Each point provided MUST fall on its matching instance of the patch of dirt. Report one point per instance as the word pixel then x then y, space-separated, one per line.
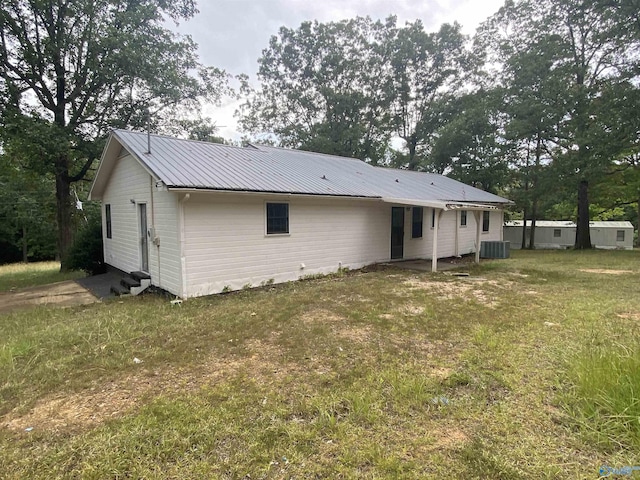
pixel 441 373
pixel 64 412
pixel 413 309
pixel 448 438
pixel 263 362
pixel 322 316
pixel 629 316
pixel 62 294
pixel 462 288
pixel 605 271
pixel 340 326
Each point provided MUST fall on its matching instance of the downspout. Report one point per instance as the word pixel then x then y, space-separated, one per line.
pixel 153 224
pixel 434 255
pixel 457 232
pixel 183 262
pixel 478 216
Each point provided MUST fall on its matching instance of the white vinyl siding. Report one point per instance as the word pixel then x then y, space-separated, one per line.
pixel 452 239
pixel 226 245
pixel 130 181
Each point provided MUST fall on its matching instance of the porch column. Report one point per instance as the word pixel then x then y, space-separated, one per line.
pixel 478 216
pixel 434 255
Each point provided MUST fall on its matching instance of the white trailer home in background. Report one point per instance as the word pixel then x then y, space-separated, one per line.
pixel 200 218
pixel 562 234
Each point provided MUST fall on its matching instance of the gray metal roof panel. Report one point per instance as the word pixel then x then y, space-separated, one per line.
pixel 191 164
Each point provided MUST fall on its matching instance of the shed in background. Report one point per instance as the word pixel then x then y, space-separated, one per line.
pixel 552 234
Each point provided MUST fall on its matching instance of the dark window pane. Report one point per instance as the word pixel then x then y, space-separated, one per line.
pixel 277 218
pixel 463 218
pixel 107 215
pixel 485 221
pixel 557 233
pixel 416 229
pixel 620 236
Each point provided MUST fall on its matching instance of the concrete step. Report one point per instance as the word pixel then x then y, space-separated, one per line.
pixel 120 290
pixel 129 282
pixel 140 276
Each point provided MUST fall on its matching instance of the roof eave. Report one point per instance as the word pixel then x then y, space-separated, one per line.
pixel 97 186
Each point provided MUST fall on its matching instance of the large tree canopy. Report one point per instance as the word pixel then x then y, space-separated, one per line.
pixel 348 87
pixel 324 88
pixel 587 46
pixel 72 69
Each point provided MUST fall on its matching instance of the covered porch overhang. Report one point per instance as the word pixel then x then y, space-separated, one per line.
pixel 441 206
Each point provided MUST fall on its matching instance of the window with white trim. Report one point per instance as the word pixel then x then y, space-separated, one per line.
pixel 620 236
pixel 485 220
pixel 277 218
pixel 463 218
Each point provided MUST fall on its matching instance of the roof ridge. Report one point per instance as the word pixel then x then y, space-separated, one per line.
pixel 384 167
pixel 169 137
pixel 308 152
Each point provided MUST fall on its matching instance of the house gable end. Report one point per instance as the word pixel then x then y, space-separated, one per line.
pixel 113 151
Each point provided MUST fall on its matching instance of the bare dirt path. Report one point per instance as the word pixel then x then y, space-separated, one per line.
pixel 63 294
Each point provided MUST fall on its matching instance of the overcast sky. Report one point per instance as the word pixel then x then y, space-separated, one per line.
pixel 231 34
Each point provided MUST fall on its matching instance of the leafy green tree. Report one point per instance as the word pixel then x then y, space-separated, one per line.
pixel 616 125
pixel 427 71
pixel 469 148
pixel 72 69
pixel 27 213
pixel 324 88
pixel 595 46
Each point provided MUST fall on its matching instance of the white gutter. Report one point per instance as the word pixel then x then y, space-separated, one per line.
pixel 441 204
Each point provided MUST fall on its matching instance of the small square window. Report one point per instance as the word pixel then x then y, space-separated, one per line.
pixel 557 233
pixel 485 221
pixel 277 218
pixel 416 223
pixel 107 216
pixel 620 236
pixel 463 218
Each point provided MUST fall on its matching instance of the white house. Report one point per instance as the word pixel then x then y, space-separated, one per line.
pixel 562 234
pixel 201 218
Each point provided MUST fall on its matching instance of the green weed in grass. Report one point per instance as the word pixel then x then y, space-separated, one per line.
pixel 605 398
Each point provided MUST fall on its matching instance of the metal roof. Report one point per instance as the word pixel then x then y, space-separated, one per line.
pixel 569 224
pixel 189 164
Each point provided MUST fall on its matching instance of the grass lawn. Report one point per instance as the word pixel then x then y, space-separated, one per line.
pixel 528 368
pixel 21 275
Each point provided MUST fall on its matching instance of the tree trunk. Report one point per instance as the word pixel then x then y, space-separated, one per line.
pixel 583 236
pixel 638 239
pixel 25 249
pixel 63 216
pixel 532 237
pixel 524 229
pixel 534 200
pixel 413 164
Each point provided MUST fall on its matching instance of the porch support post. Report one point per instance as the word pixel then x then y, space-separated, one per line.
pixel 478 216
pixel 434 254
